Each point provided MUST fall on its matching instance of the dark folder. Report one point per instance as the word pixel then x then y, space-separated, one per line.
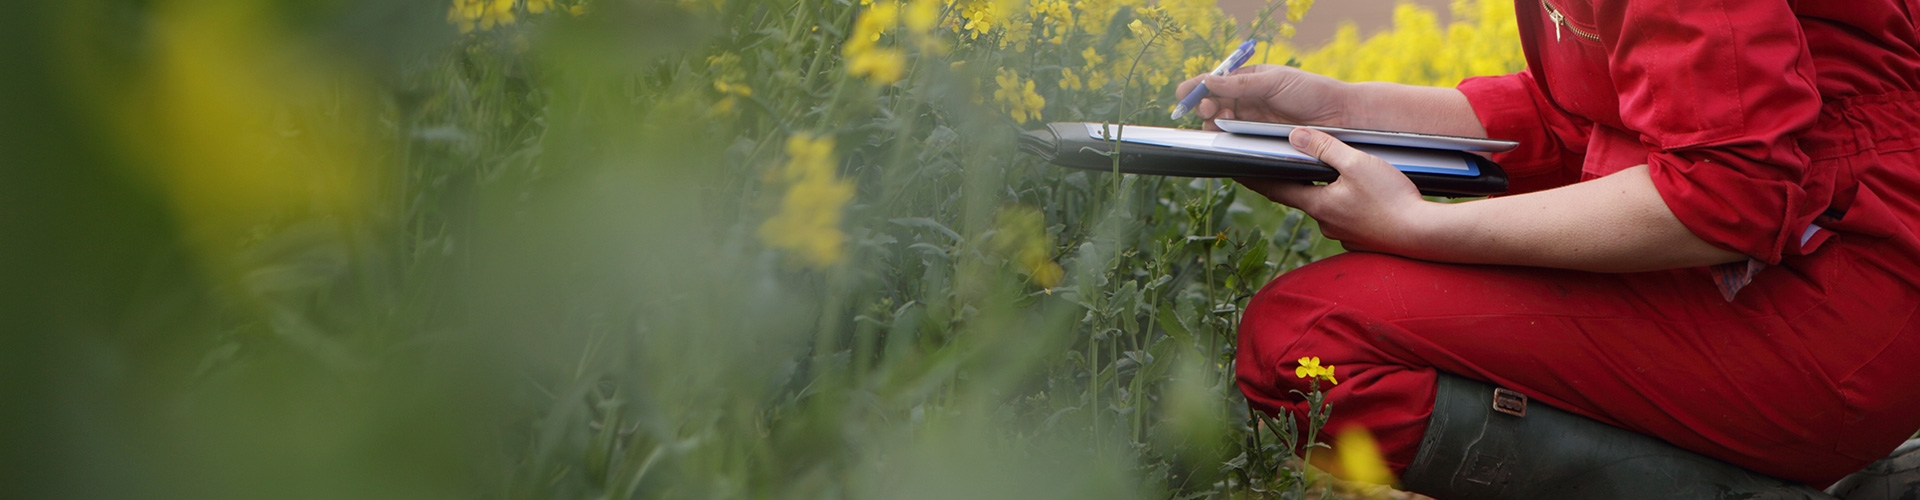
pixel 1069 144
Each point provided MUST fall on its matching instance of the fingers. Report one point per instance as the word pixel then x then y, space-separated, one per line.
pixel 1289 193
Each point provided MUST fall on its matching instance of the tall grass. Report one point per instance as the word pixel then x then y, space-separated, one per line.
pixel 619 249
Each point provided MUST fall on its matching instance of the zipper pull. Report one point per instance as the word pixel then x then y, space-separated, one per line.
pixel 1558 20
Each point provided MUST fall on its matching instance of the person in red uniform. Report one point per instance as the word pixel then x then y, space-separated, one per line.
pixel 1711 237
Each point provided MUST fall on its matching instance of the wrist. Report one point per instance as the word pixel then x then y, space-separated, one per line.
pixel 1425 228
pixel 1351 105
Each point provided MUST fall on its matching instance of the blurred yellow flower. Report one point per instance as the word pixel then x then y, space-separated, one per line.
pixel 466 14
pixel 1196 65
pixel 1018 96
pixel 1310 369
pixel 1360 457
pixel 807 223
pixel 865 58
pixel 980 16
pixel 1055 18
pixel 538 6
pixel 1297 9
pixel 1020 234
pixel 923 15
pixel 497 13
pixel 1096 80
pixel 1093 58
pixel 879 66
pixel 1068 80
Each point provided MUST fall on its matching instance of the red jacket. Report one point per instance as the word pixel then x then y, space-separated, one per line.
pixel 1730 104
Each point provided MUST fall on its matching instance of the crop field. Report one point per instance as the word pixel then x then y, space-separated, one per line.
pixel 610 249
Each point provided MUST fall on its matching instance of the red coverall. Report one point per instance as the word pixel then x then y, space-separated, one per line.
pixel 1757 119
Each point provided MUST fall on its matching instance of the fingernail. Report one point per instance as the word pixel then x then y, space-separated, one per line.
pixel 1299 138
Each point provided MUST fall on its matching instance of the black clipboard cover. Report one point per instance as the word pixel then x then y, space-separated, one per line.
pixel 1067 144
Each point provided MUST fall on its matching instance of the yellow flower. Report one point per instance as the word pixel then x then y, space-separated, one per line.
pixel 577 10
pixel 1096 80
pixel 1197 64
pixel 1068 80
pixel 538 6
pixel 1297 9
pixel 1093 57
pixel 922 15
pixel 1055 18
pixel 1360 457
pixel 807 225
pixel 466 14
pixel 1310 368
pixel 880 66
pixel 498 13
pixel 1140 29
pixel 865 58
pixel 980 18
pixel 1018 96
pixel 1020 234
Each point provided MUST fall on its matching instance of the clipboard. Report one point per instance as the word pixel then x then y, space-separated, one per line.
pixel 1193 153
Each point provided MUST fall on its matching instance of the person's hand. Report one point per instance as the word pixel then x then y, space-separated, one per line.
pixel 1268 93
pixel 1371 207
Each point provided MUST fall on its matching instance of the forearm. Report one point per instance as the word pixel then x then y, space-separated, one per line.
pixel 1613 224
pixel 1411 108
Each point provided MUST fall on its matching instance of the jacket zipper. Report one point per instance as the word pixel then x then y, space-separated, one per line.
pixel 1560 20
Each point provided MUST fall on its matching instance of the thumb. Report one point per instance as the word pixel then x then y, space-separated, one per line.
pixel 1232 85
pixel 1339 155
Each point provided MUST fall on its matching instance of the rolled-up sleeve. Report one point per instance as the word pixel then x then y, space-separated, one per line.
pixel 1718 90
pixel 1512 107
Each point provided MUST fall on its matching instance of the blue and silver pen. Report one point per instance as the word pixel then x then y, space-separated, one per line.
pixel 1233 62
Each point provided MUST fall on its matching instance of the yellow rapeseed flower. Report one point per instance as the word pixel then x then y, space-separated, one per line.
pixel 980 16
pixel 538 6
pixel 879 65
pixel 1055 18
pixel 1020 234
pixel 1068 80
pixel 922 15
pixel 807 224
pixel 1018 96
pixel 1310 368
pixel 865 57
pixel 1096 80
pixel 1360 457
pixel 466 14
pixel 498 13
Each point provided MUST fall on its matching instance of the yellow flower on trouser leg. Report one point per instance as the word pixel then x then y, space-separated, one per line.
pixel 807 225
pixel 1310 368
pixel 1360 457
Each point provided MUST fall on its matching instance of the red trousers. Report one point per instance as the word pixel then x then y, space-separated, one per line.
pixel 1809 374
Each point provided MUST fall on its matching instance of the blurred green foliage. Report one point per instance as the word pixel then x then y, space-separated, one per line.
pixel 341 249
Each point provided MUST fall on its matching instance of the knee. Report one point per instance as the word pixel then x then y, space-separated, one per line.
pixel 1308 310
